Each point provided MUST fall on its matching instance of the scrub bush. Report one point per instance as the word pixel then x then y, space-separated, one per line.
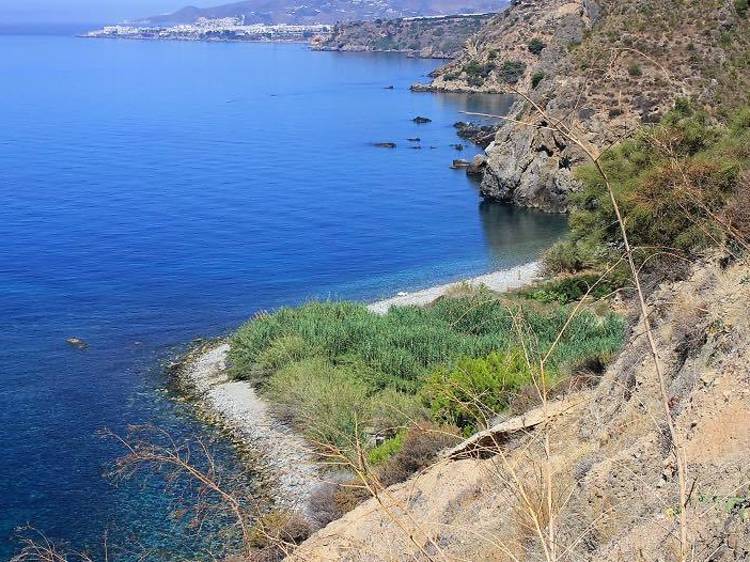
pixel 671 181
pixel 475 390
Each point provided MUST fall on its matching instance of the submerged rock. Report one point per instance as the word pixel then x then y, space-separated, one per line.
pixel 414 139
pixel 78 343
pixel 384 144
pixel 419 120
pixel 460 164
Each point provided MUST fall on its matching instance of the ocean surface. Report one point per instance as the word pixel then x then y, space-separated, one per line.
pixel 152 193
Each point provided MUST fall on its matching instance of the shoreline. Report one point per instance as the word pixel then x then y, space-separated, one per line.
pixel 499 281
pixel 284 453
pixel 235 406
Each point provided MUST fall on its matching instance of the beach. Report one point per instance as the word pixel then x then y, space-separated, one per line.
pixel 498 281
pixel 285 454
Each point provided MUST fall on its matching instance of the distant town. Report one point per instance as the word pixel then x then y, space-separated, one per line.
pixel 214 29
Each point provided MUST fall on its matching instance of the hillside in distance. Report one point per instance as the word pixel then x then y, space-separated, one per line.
pixel 433 37
pixel 325 11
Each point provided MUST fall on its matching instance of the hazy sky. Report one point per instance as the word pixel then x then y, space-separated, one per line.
pixel 89 11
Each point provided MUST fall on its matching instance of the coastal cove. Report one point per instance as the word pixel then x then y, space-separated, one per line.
pixel 158 192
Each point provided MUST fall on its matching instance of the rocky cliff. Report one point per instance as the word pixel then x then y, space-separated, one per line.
pixel 602 67
pixel 439 37
pixel 593 478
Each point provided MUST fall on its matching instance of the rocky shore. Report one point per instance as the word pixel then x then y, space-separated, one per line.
pixel 440 37
pixel 235 406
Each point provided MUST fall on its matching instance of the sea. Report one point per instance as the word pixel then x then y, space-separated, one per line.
pixel 152 193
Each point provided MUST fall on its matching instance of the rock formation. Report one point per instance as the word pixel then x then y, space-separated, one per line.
pixel 602 68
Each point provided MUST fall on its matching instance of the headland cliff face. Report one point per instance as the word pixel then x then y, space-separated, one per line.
pixel 600 67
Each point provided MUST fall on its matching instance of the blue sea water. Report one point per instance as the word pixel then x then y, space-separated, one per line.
pixel 153 192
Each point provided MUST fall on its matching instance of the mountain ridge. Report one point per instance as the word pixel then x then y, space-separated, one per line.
pixel 324 11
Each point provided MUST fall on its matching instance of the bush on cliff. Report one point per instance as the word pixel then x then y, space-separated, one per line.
pixel 676 184
pixel 471 393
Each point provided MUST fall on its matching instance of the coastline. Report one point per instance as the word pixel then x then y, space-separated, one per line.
pixel 284 453
pixel 499 281
pixel 237 408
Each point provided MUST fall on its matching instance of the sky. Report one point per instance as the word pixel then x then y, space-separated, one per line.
pixel 89 11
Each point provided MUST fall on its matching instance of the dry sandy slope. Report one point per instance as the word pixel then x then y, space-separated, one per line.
pixel 615 485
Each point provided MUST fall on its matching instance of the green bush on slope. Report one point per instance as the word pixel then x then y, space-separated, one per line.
pixel 472 392
pixel 674 184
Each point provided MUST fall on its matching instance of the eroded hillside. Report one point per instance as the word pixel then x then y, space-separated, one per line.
pixel 597 480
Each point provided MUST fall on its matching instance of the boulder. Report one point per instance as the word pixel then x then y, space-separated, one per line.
pixel 477 166
pixel 419 120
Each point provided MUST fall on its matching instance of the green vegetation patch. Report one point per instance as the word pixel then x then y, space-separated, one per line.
pixel 743 7
pixel 536 46
pixel 537 78
pixel 343 373
pixel 512 71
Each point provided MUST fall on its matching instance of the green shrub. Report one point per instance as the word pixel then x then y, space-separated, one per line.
pixel 283 350
pixel 536 46
pixel 512 71
pixel 391 411
pixel 537 78
pixel 742 7
pixel 477 69
pixel 670 181
pixel 388 448
pixel 327 402
pixel 569 289
pixel 475 390
pixel 635 70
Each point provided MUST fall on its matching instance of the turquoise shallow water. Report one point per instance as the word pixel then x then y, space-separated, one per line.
pixel 152 193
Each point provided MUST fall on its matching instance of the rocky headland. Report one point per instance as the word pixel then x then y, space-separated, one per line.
pixel 602 68
pixel 441 37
